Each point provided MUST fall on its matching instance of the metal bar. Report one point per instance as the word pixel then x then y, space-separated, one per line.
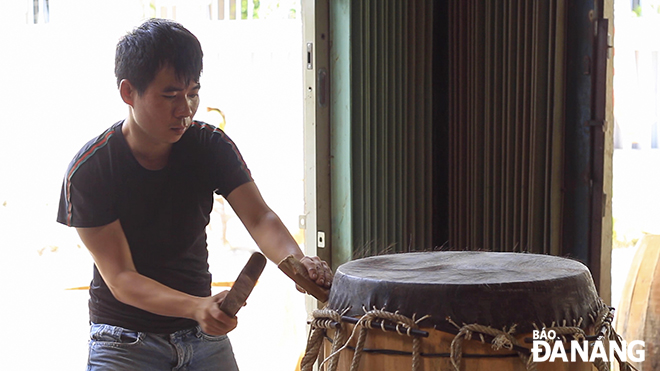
pixel 576 224
pixel 359 132
pixel 462 110
pixel 380 325
pixel 534 112
pixel 342 120
pixel 387 229
pixel 364 100
pixel 418 93
pixel 406 107
pixel 398 117
pixel 526 211
pixel 506 141
pixel 372 107
pixel 428 127
pixel 469 124
pixel 513 125
pixel 496 161
pixel 451 156
pixel 380 123
pixel 412 127
pixel 598 150
pixel 550 121
pixel 488 123
pixel 557 135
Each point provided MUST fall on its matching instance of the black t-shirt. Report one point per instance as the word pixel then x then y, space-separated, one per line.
pixel 163 213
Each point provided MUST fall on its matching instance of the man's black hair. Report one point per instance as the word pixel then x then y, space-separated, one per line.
pixel 155 44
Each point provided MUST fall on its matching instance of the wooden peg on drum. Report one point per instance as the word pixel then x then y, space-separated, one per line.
pixel 293 268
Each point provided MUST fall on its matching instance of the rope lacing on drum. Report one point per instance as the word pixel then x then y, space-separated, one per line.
pixel 501 339
pixel 603 326
pixel 402 323
pixel 326 318
pixel 602 321
pixel 323 319
pixel 563 331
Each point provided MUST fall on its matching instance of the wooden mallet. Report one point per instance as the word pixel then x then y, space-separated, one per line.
pixel 293 268
pixel 243 285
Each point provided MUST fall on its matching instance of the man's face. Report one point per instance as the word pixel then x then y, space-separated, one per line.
pixel 166 108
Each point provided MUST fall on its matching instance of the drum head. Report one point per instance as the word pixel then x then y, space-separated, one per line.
pixel 495 289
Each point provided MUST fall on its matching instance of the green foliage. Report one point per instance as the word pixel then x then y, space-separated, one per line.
pixel 279 9
pixel 623 235
pixel 244 9
pixel 255 12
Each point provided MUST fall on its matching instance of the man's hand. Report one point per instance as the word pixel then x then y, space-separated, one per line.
pixel 318 271
pixel 211 319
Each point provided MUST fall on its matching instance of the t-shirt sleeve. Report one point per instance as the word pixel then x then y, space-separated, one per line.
pixel 86 199
pixel 228 169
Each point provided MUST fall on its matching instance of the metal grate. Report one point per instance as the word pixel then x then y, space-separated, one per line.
pixel 505 125
pixel 391 126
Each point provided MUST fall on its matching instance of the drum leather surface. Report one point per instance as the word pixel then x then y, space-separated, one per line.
pixel 496 289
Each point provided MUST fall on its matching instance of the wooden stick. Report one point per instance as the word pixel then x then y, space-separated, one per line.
pixel 293 268
pixel 243 285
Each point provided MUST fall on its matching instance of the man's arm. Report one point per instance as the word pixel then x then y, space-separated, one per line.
pixel 270 234
pixel 112 255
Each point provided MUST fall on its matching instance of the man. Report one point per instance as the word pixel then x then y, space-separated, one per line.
pixel 140 196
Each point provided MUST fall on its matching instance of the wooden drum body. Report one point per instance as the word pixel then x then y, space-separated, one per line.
pixel 477 308
pixel 638 315
pixel 476 355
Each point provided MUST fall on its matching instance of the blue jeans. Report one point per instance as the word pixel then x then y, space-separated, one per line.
pixel 113 348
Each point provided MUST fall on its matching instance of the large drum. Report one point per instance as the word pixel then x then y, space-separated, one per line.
pixel 638 315
pixel 454 311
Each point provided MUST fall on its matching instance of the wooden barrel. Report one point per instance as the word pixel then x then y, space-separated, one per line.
pixel 493 290
pixel 638 314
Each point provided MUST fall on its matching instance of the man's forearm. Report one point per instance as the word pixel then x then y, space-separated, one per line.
pixel 274 239
pixel 134 289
